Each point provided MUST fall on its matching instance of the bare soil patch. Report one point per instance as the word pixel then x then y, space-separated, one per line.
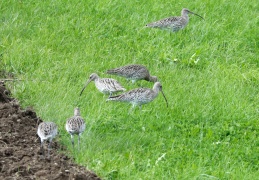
pixel 20 156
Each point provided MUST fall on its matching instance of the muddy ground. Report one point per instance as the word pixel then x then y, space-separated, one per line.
pixel 20 156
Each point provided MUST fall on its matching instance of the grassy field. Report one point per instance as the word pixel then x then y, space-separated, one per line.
pixel 209 72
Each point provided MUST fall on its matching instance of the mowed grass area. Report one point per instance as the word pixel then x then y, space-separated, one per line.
pixel 209 72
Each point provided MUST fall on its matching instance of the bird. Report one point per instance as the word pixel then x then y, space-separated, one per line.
pixel 47 131
pixel 139 96
pixel 174 23
pixel 133 72
pixel 104 85
pixel 75 125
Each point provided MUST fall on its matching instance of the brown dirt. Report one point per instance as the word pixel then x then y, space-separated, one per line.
pixel 20 156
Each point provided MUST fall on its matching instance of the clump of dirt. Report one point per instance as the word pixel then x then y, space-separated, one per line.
pixel 20 155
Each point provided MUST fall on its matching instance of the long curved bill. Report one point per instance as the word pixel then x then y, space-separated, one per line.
pixel 196 14
pixel 165 98
pixel 85 86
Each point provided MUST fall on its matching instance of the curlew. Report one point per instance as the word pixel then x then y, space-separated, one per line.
pixel 139 96
pixel 133 72
pixel 75 125
pixel 175 23
pixel 104 85
pixel 47 131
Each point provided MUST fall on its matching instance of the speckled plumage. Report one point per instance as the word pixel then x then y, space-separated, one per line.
pixel 175 23
pixel 133 72
pixel 47 131
pixel 104 85
pixel 75 125
pixel 139 96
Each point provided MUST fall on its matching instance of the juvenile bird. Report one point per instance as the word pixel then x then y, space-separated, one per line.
pixel 175 23
pixel 104 85
pixel 75 125
pixel 133 72
pixel 47 131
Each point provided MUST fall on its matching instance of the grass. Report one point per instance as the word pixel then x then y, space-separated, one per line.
pixel 209 72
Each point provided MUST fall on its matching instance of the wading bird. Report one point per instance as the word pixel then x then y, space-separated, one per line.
pixel 175 23
pixel 75 126
pixel 139 96
pixel 47 131
pixel 133 72
pixel 104 85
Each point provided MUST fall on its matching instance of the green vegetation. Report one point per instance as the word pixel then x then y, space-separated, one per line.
pixel 209 72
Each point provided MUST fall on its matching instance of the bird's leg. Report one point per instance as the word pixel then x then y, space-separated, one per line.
pixel 133 106
pixel 72 140
pixel 49 147
pixel 130 110
pixel 79 142
pixel 42 149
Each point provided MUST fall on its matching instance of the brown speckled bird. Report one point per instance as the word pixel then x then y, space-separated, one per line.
pixel 47 131
pixel 75 125
pixel 139 96
pixel 104 85
pixel 133 72
pixel 175 23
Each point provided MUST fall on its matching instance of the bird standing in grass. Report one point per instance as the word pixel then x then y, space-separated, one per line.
pixel 104 85
pixel 175 23
pixel 133 72
pixel 75 125
pixel 47 131
pixel 139 96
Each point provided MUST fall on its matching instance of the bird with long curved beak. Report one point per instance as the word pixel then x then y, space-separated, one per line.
pixel 104 85
pixel 174 23
pixel 139 96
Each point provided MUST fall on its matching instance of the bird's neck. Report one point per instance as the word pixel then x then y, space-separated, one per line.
pixel 96 80
pixel 77 113
pixel 150 78
pixel 156 90
pixel 185 16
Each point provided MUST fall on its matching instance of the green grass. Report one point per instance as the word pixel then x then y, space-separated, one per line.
pixel 209 72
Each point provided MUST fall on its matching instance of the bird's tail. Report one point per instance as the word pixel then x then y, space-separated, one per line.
pixel 112 71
